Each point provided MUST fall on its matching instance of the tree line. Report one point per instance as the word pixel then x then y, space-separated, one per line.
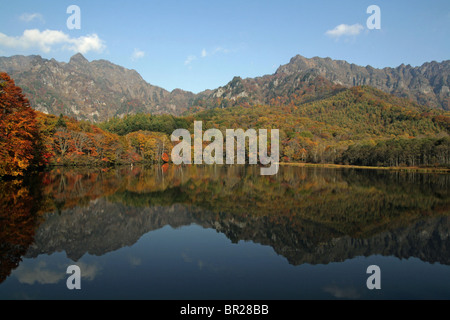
pixel 400 152
pixel 358 126
pixel 30 139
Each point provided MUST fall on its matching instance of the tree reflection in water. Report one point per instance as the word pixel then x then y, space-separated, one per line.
pixel 308 215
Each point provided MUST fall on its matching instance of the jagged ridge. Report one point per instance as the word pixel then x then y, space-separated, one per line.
pixel 99 90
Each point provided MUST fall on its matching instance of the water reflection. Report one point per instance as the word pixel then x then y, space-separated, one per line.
pixel 19 204
pixel 307 215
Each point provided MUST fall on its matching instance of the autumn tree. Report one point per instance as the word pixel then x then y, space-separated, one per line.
pixel 18 129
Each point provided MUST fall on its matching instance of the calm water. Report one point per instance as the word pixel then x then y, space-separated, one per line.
pixel 219 232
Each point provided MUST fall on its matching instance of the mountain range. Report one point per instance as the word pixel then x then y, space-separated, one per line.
pixel 99 90
pixel 103 227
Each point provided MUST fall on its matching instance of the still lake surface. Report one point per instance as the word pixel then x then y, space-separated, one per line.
pixel 225 232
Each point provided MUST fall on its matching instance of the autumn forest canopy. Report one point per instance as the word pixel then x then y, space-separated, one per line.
pixel 359 126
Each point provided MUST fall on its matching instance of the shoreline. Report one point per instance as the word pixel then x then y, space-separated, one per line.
pixel 293 164
pixel 344 166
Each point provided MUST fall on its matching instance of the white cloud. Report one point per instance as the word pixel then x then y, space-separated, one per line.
pixel 88 271
pixel 38 273
pixel 220 50
pixel 46 41
pixel 213 52
pixel 28 17
pixel 345 30
pixel 189 59
pixel 204 54
pixel 43 273
pixel 137 54
pixel 348 293
pixel 87 43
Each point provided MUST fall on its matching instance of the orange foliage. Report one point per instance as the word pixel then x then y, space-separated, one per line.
pixel 18 129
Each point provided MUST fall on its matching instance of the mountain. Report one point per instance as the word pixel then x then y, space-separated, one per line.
pixel 102 227
pixel 427 85
pixel 99 90
pixel 95 90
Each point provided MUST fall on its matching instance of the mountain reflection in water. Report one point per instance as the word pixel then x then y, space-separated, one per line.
pixel 307 215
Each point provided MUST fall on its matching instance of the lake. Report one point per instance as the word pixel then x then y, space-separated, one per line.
pixel 225 232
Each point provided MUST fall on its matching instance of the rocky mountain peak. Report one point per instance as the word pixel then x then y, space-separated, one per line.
pixel 78 59
pixel 99 90
pixel 95 91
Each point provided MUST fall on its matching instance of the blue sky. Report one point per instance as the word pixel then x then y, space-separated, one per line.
pixel 197 45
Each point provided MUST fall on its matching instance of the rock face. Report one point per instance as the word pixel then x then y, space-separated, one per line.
pixel 94 90
pixel 99 90
pixel 427 85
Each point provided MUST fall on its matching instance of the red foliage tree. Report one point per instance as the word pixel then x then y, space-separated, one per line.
pixel 18 129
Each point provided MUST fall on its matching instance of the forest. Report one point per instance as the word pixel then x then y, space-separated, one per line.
pixel 357 126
